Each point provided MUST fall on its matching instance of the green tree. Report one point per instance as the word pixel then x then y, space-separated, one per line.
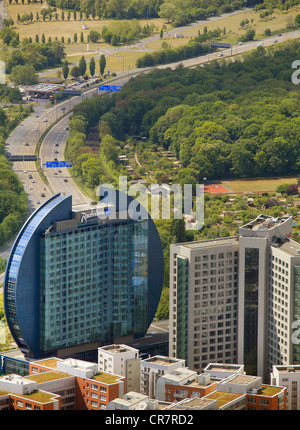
pixel 102 64
pixel 65 69
pixel 7 34
pixel 168 11
pixel 92 66
pixel 82 66
pixel 75 72
pixel 109 148
pixel 25 75
pixel 94 36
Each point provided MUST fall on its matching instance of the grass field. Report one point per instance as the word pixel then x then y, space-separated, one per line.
pixel 62 28
pixel 277 24
pixel 257 185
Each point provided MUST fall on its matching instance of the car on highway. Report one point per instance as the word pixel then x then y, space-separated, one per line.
pixel 30 176
pixel 38 202
pixel 55 159
pixel 65 180
pixel 36 129
pixel 57 144
pixel 63 108
pixel 221 54
pixel 45 120
pixel 36 115
pixel 33 181
pixel 275 41
pixel 43 195
pixel 59 171
pixel 26 144
pixel 56 152
pixel 67 128
pixel 31 187
pixel 55 173
pixel 279 35
pixel 240 43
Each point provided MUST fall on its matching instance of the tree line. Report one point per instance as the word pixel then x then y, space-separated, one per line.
pixel 177 12
pixel 13 199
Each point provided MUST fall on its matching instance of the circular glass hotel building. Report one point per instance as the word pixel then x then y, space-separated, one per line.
pixel 77 279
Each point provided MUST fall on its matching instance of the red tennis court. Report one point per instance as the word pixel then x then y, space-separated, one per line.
pixel 215 189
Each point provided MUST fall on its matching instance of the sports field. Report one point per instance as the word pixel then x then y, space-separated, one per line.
pixel 256 185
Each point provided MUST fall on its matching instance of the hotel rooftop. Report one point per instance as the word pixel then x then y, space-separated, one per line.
pixel 265 222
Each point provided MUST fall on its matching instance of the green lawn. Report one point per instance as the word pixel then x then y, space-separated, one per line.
pixel 257 185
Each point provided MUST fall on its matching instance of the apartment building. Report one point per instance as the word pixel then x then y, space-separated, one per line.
pixel 258 396
pixel 92 389
pixel 203 302
pixel 121 360
pixel 289 377
pixel 234 300
pixel 152 368
pixel 183 383
pixel 18 393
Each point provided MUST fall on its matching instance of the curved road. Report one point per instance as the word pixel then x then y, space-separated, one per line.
pixel 33 126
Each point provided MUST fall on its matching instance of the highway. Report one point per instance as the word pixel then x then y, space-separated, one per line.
pixel 24 138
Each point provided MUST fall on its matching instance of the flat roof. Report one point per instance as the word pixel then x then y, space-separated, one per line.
pixel 195 402
pixel 49 362
pixel 290 247
pixel 223 398
pixel 242 379
pixel 45 88
pixel 47 376
pixel 270 391
pixel 158 359
pixel 36 396
pixel 117 349
pixel 209 243
pixel 223 367
pixel 288 369
pixel 107 378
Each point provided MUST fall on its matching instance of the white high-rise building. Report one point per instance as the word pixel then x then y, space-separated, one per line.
pixel 121 360
pixel 203 302
pixel 234 300
pixel 289 377
pixel 154 367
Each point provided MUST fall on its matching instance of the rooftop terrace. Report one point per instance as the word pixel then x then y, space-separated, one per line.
pixel 47 376
pixel 223 398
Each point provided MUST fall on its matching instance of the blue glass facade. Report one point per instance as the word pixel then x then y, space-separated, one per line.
pixel 93 282
pixel 21 283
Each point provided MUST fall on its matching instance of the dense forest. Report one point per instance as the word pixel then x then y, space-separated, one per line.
pixel 13 199
pixel 226 120
pixel 176 11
